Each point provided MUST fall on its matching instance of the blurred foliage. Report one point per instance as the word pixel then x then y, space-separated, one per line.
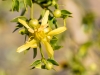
pixel 88 21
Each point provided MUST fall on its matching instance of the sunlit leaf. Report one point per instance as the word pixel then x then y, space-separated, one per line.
pixel 20 17
pixel 28 2
pixel 65 13
pixel 53 62
pixel 57 47
pixel 38 66
pixel 52 21
pixel 36 63
pixel 53 40
pixel 21 4
pixel 15 5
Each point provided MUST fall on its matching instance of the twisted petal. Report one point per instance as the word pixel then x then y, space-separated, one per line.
pixel 26 25
pixel 45 18
pixel 56 31
pixel 44 21
pixel 31 44
pixel 49 49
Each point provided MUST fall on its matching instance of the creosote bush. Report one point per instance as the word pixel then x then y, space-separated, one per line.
pixel 40 31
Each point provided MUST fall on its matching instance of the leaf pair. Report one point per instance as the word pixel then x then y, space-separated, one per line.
pixel 42 64
pixel 17 4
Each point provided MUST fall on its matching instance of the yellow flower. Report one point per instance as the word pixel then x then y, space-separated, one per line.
pixel 42 34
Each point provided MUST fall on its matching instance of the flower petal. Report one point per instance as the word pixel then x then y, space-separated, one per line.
pixel 26 25
pixel 44 21
pixel 45 18
pixel 56 31
pixel 49 49
pixel 32 44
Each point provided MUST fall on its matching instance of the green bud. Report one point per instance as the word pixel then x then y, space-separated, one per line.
pixel 22 31
pixel 34 23
pixel 54 3
pixel 49 66
pixel 57 13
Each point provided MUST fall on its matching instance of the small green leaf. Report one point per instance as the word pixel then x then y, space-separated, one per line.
pixel 35 52
pixel 53 43
pixel 37 66
pixel 36 63
pixel 15 5
pixel 65 13
pixel 53 40
pixel 17 27
pixel 20 17
pixel 53 62
pixel 21 4
pixel 52 21
pixel 23 12
pixel 57 47
pixel 28 3
pixel 15 30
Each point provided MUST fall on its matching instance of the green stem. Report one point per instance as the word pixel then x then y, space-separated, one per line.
pixel 41 51
pixel 65 22
pixel 31 12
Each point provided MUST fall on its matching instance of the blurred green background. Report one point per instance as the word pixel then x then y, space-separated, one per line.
pixel 80 54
